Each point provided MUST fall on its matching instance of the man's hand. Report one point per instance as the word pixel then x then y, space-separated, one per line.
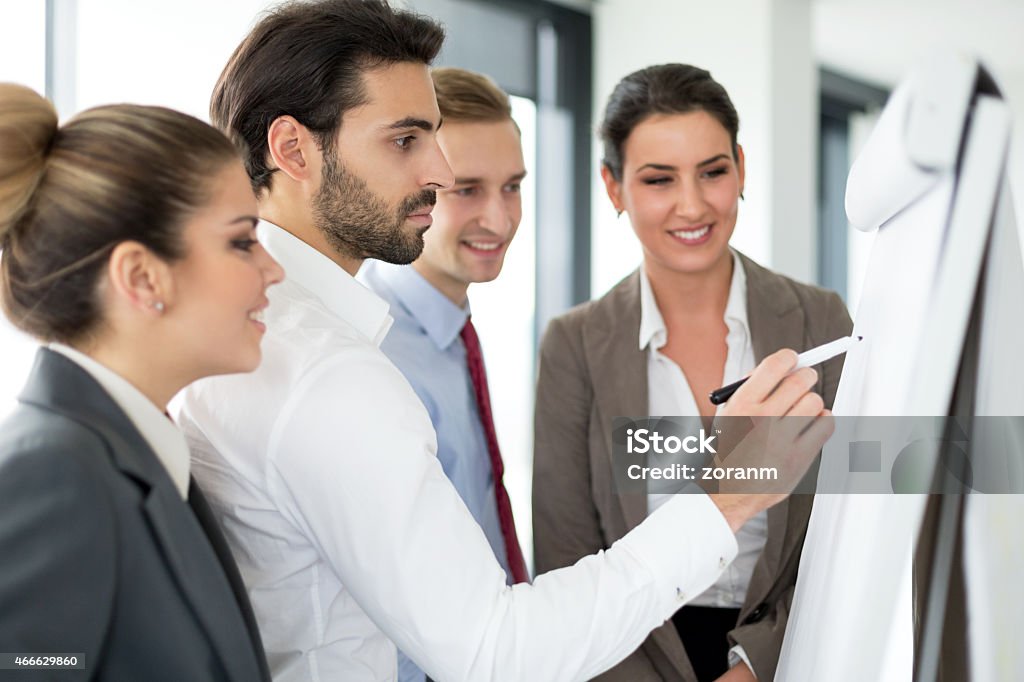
pixel 738 673
pixel 786 445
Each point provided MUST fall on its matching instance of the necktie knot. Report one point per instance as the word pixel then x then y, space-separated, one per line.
pixel 469 337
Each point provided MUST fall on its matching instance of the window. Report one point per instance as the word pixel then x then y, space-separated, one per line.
pixel 848 111
pixel 22 60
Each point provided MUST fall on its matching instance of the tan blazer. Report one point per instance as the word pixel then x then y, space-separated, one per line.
pixel 591 370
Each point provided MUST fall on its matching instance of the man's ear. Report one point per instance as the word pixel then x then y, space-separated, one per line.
pixel 291 147
pixel 139 278
pixel 613 187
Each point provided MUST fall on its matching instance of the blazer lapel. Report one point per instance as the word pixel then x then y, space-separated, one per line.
pixel 774 313
pixel 776 321
pixel 202 580
pixel 59 384
pixel 619 372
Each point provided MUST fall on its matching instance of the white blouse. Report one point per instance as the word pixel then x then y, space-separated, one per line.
pixel 669 394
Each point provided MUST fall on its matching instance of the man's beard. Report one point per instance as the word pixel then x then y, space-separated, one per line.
pixel 359 224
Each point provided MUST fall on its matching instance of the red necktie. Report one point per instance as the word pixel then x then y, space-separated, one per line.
pixel 475 362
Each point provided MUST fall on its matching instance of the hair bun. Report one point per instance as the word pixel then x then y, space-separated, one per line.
pixel 28 125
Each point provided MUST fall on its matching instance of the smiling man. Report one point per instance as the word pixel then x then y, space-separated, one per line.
pixel 433 341
pixel 321 466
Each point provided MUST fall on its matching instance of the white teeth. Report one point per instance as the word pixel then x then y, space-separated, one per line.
pixel 256 315
pixel 483 247
pixel 692 234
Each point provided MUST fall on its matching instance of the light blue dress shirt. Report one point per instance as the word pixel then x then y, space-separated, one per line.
pixel 424 343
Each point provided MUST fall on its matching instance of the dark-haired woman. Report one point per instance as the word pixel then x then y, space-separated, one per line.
pixel 128 250
pixel 694 316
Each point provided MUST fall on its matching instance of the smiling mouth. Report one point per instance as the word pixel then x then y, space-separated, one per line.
pixel 483 246
pixel 695 235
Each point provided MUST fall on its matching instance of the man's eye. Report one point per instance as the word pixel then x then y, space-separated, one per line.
pixel 405 142
pixel 514 187
pixel 464 191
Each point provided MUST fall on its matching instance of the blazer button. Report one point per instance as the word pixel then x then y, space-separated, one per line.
pixel 757 614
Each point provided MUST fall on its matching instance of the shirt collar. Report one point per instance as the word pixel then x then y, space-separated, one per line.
pixel 435 313
pixel 327 281
pixel 736 306
pixel 652 324
pixel 155 426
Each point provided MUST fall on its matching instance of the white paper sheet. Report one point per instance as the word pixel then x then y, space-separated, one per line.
pixel 851 616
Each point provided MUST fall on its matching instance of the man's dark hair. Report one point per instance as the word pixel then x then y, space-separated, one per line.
pixel 662 89
pixel 306 60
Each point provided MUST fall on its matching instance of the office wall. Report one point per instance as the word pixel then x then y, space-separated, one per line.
pixel 167 53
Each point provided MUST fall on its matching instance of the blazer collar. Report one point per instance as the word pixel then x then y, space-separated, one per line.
pixel 59 385
pixel 152 422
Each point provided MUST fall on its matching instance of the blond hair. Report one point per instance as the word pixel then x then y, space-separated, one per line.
pixel 28 124
pixel 469 96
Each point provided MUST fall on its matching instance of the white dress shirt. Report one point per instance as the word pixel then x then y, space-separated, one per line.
pixel 321 467
pixel 157 430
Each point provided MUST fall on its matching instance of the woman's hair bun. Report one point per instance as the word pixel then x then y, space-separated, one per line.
pixel 28 126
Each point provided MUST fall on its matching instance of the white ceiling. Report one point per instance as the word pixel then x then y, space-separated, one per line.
pixel 879 40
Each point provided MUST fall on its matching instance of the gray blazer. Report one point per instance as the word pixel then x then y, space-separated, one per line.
pixel 592 370
pixel 101 556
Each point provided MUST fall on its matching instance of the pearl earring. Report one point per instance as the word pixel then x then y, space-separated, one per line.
pixel 158 306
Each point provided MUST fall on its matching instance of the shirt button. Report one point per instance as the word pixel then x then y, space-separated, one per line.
pixel 680 595
pixel 721 562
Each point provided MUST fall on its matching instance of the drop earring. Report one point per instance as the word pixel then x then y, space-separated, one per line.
pixel 618 213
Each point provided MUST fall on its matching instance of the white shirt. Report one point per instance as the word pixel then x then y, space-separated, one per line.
pixel 157 430
pixel 669 393
pixel 321 467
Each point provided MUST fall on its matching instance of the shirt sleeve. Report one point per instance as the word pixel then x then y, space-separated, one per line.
pixel 737 655
pixel 352 457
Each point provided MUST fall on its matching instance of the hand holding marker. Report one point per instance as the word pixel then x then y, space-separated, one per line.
pixel 809 358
